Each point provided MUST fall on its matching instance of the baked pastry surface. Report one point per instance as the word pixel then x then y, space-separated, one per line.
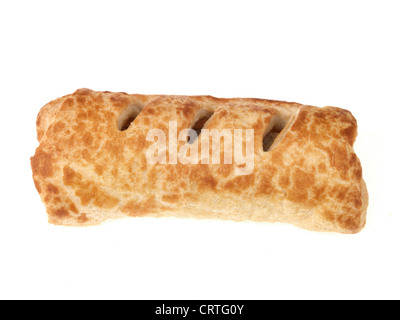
pixel 91 162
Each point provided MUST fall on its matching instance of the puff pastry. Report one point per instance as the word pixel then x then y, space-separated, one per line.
pixel 91 162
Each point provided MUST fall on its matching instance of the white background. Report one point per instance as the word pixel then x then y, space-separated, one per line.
pixel 340 53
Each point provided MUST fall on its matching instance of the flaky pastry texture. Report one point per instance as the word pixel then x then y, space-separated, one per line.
pixel 91 162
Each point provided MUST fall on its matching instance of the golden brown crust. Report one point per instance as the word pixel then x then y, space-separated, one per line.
pixel 87 170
